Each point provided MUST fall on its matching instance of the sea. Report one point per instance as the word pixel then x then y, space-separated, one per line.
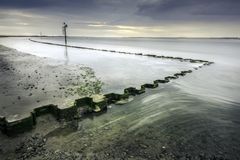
pixel 198 114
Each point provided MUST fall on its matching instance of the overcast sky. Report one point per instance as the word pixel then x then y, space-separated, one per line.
pixel 141 18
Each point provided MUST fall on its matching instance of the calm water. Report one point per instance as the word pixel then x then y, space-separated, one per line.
pixel 196 114
pixel 117 71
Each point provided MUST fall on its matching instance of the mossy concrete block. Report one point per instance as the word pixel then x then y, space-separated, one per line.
pixel 99 102
pixel 68 113
pixel 193 61
pixel 187 59
pixel 98 98
pixel 150 55
pixel 185 72
pixel 2 123
pixel 159 56
pixel 170 77
pixel 155 85
pixel 2 119
pixel 161 81
pixel 55 110
pixel 113 97
pixel 83 102
pixel 201 61
pixel 178 58
pixel 168 57
pixel 131 91
pixel 124 96
pixel 93 103
pixel 208 63
pixel 46 110
pixel 141 91
pixel 179 74
pixel 19 126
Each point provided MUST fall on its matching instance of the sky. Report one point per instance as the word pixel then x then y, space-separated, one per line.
pixel 122 18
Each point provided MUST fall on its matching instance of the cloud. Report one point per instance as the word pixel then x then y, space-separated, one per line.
pixel 18 14
pixel 121 17
pixel 29 4
pixel 24 3
pixel 127 27
pixel 189 9
pixel 22 23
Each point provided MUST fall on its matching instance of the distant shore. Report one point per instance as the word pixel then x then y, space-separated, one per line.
pixel 237 38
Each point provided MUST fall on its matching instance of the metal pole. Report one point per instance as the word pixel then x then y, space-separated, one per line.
pixel 65 32
pixel 65 36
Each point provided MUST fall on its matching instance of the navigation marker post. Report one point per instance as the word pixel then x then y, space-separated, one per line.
pixel 64 29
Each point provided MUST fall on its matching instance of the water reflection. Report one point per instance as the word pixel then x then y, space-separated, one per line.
pixel 66 55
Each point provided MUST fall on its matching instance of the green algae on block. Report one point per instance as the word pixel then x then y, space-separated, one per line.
pixel 99 102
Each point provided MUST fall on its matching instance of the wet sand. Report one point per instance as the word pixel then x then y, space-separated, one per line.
pixel 28 81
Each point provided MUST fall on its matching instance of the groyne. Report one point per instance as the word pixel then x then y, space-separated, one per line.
pixel 88 105
pixel 130 53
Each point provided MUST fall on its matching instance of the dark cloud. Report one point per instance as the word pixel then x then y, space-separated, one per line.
pixel 24 3
pixel 28 4
pixel 97 16
pixel 189 9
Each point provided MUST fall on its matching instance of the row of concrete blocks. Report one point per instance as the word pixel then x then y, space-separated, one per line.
pixel 87 105
pixel 81 107
pixel 121 52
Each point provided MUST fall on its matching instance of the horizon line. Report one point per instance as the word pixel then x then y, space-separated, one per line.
pixel 180 37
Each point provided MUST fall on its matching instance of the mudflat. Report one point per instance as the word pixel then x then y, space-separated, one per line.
pixel 28 81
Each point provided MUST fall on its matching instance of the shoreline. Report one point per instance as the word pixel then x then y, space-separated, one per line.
pixel 233 38
pixel 76 107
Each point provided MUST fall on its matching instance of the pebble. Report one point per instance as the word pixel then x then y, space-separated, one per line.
pixel 106 128
pixel 143 146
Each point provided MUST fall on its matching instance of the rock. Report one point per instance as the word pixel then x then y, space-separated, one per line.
pixel 143 146
pixel 31 147
pixel 106 128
